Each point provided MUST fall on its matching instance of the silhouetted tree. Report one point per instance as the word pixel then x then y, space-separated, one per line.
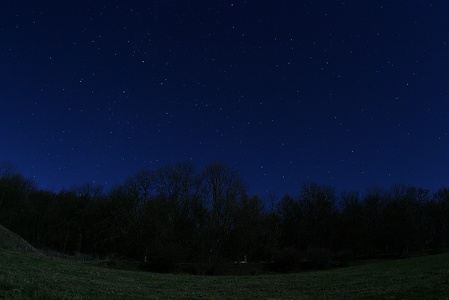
pixel 374 204
pixel 223 190
pixel 440 219
pixel 351 223
pixel 179 214
pixel 252 236
pixel 118 222
pixel 141 186
pixel 400 217
pixel 290 225
pixel 140 189
pixel 43 217
pixel 318 211
pixel 15 206
pixel 75 206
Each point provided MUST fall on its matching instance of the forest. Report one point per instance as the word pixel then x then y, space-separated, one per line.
pixel 178 214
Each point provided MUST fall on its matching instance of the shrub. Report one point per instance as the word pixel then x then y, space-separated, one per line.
pixel 317 259
pixel 285 260
pixel 344 255
pixel 159 265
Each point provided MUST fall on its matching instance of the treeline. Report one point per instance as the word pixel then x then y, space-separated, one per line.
pixel 179 214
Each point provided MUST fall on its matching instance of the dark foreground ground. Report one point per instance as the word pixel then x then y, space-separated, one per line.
pixel 28 276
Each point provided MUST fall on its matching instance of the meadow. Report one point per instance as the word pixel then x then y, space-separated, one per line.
pixel 30 276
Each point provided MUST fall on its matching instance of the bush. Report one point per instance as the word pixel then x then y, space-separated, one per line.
pixel 317 259
pixel 285 260
pixel 159 265
pixel 344 255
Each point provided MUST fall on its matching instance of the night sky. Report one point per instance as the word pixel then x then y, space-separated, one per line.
pixel 349 93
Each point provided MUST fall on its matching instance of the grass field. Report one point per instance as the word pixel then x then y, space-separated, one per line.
pixel 27 276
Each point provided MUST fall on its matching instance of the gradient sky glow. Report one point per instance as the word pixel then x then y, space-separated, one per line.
pixel 347 93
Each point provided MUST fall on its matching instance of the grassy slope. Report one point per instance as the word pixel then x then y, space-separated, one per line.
pixel 11 241
pixel 24 276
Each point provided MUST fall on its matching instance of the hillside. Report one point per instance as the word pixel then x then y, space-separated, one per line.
pixel 11 241
pixel 24 276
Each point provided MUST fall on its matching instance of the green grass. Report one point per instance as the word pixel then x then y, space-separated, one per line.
pixel 26 276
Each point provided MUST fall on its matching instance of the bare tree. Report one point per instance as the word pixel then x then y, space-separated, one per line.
pixel 351 222
pixel 140 186
pixel 223 190
pixel 179 208
pixel 317 204
pixel 7 170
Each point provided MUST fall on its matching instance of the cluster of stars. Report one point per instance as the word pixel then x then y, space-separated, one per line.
pixel 171 82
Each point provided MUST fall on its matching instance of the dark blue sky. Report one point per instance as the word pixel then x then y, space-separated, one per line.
pixel 347 93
